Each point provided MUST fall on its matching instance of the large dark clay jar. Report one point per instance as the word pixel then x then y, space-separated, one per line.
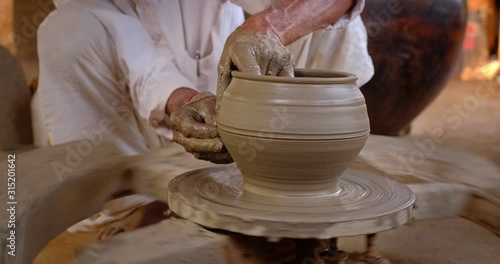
pixel 414 46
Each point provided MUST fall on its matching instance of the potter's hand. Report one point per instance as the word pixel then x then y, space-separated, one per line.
pixel 258 45
pixel 194 128
pixel 253 51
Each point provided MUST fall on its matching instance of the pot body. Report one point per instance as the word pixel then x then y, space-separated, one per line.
pixel 293 135
pixel 414 45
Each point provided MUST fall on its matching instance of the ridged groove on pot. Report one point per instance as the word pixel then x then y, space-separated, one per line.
pixel 294 136
pixel 276 166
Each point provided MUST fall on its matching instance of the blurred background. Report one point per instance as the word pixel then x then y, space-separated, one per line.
pixel 437 75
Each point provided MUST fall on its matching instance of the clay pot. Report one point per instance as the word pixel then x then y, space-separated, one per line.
pixel 293 135
pixel 414 46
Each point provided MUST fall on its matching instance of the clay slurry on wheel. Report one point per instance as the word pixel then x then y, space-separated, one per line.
pixel 366 203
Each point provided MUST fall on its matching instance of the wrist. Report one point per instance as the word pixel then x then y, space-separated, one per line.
pixel 179 98
pixel 261 24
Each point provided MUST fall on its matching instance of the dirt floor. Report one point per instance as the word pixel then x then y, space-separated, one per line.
pixel 444 241
pixel 469 112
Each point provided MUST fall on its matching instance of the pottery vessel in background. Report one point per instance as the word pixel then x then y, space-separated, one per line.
pixel 294 136
pixel 414 45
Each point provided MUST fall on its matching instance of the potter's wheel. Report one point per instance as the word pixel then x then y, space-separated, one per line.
pixel 213 197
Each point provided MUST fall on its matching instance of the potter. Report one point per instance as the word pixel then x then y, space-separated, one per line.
pixel 167 64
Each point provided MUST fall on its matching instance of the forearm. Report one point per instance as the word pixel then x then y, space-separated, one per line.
pixel 292 19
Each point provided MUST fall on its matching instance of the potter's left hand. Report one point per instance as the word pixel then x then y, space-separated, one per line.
pixel 194 128
pixel 255 51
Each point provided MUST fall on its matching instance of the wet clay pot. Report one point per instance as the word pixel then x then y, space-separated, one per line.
pixel 415 45
pixel 293 135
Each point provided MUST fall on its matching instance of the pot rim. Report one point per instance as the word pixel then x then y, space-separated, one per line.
pixel 303 76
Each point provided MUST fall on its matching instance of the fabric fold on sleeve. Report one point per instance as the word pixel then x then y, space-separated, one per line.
pixel 354 13
pixel 151 88
pixel 150 77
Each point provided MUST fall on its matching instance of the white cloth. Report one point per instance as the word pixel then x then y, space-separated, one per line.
pixel 108 67
pixel 113 210
pixel 333 49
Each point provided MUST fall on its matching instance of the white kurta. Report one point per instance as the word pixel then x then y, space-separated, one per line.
pixel 108 67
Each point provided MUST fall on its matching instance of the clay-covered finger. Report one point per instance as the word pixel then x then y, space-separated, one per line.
pixel 236 57
pixel 190 123
pixel 244 58
pixel 274 66
pixel 206 108
pixel 223 80
pixel 287 71
pixel 197 145
pixel 217 158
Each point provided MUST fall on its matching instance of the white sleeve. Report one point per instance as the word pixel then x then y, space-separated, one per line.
pixel 98 74
pixel 109 55
pixel 351 16
pixel 344 49
pixel 151 78
pixel 254 6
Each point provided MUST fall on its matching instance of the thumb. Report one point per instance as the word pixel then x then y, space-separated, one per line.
pixel 287 71
pixel 223 83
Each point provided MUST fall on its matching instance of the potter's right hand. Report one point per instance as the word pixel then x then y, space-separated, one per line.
pixel 194 128
pixel 252 49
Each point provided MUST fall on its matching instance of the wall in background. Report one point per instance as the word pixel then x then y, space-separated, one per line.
pixel 28 15
pixel 6 25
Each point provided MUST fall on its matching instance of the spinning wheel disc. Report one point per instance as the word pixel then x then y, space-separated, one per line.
pixel 367 203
